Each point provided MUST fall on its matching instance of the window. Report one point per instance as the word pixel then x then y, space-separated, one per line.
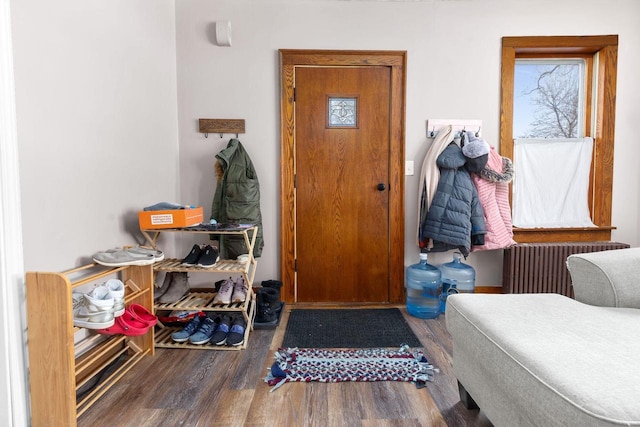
pixel 580 73
pixel 548 98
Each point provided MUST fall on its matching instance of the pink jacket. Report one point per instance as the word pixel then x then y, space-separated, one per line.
pixel 492 184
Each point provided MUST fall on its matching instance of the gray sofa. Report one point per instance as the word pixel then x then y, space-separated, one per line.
pixel 549 360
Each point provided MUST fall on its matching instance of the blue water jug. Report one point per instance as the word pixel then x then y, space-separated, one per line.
pixel 460 274
pixel 423 289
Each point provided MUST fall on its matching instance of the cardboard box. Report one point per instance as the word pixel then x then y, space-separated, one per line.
pixel 179 218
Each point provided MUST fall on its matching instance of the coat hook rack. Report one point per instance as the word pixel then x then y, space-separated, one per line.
pixel 435 125
pixel 221 126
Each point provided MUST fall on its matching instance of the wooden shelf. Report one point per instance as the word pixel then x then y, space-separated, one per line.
pixel 56 374
pixel 203 301
pixel 247 309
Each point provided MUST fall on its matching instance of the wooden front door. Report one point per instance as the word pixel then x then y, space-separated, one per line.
pixel 342 220
pixel 342 184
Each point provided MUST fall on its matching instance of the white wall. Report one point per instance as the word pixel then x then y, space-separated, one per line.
pixel 97 122
pixel 453 72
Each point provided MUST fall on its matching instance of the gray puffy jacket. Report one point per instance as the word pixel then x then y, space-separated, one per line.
pixel 455 219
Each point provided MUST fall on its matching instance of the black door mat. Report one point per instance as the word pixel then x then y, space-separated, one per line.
pixel 348 328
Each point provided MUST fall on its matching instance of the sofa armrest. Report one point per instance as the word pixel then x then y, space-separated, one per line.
pixel 607 278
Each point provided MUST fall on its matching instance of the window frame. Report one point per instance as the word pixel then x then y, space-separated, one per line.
pixel 601 55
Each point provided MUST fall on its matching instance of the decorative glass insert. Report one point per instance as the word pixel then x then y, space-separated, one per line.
pixel 343 112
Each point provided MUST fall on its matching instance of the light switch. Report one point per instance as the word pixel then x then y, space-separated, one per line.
pixel 408 167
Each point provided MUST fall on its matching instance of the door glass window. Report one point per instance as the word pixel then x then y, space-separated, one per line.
pixel 342 112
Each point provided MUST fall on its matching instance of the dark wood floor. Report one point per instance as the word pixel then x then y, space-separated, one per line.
pixel 226 388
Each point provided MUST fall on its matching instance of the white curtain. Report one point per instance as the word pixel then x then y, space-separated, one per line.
pixel 551 182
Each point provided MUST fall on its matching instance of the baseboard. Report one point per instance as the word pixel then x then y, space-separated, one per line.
pixel 488 290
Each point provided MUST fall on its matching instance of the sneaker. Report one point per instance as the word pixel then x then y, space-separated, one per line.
pixel 209 257
pixel 204 332
pixel 179 287
pixel 236 334
pixel 93 310
pixel 193 257
pixel 189 329
pixel 219 337
pixel 115 290
pixel 240 289
pixel 120 258
pixel 141 250
pixel 224 294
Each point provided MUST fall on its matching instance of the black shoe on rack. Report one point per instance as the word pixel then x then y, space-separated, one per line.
pixel 193 257
pixel 235 337
pixel 209 257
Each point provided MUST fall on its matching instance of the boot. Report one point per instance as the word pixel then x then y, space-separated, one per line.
pixel 179 287
pixel 159 291
pixel 267 302
pixel 274 284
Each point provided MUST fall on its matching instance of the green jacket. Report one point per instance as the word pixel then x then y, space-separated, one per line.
pixel 237 199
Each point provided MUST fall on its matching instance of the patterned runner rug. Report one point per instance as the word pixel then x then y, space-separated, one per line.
pixel 364 365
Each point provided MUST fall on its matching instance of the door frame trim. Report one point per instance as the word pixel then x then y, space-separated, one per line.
pixel 397 61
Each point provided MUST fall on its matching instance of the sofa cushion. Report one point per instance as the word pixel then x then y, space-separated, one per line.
pixel 554 358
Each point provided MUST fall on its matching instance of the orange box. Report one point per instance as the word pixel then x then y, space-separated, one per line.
pixel 179 218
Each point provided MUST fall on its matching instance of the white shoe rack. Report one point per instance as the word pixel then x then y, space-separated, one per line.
pixel 197 300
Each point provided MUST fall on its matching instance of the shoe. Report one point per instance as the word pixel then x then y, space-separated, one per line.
pixel 219 337
pixel 115 290
pixel 119 258
pixel 209 257
pixel 141 250
pixel 93 310
pixel 236 334
pixel 126 325
pixel 142 314
pixel 224 294
pixel 166 283
pixel 179 287
pixel 193 257
pixel 267 305
pixel 218 284
pixel 240 289
pixel 204 332
pixel 189 329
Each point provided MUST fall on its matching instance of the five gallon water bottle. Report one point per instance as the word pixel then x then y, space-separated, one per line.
pixel 423 289
pixel 458 273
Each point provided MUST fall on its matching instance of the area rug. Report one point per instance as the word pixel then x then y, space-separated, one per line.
pixel 348 328
pixel 365 365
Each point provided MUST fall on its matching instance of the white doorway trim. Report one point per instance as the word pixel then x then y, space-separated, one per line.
pixel 13 373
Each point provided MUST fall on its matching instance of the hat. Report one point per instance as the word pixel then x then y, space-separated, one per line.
pixel 476 152
pixel 475 147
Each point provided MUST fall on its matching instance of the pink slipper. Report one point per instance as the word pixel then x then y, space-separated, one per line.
pixel 126 325
pixel 142 314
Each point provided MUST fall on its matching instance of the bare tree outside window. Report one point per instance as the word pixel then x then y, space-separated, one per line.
pixel 547 99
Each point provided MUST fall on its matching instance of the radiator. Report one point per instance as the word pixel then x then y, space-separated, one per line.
pixel 541 267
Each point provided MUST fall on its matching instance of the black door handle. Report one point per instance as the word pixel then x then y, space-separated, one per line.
pixel 381 187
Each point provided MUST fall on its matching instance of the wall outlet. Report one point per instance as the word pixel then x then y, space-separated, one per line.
pixel 408 167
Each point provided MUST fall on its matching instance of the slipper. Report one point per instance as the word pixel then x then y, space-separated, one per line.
pixel 126 325
pixel 140 313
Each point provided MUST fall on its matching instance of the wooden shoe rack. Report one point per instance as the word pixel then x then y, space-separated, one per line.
pixel 56 374
pixel 203 301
